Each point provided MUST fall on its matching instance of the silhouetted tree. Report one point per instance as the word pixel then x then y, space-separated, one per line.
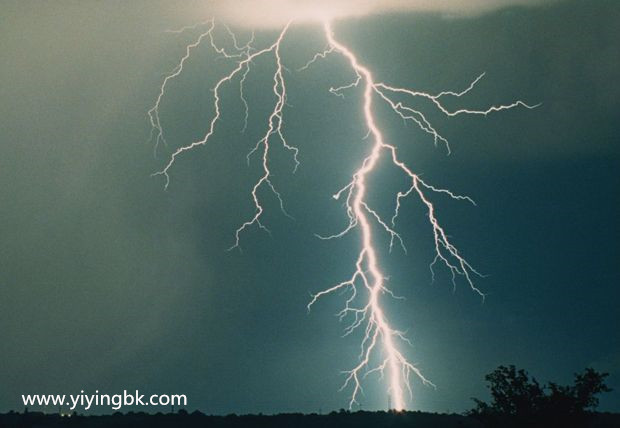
pixel 519 400
pixel 515 398
pixel 587 386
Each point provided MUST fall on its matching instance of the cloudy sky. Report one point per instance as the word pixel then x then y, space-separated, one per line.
pixel 110 282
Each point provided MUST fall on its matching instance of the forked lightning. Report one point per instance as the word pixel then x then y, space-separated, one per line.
pixel 381 342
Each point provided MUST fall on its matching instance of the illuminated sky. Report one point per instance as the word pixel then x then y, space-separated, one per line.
pixel 109 282
pixel 276 13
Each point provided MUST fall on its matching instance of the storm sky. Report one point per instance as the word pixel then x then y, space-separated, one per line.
pixel 110 282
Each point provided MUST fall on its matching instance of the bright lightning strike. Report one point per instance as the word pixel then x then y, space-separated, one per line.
pixel 367 283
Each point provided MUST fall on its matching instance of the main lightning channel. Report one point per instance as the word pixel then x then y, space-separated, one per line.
pixel 373 278
pixel 379 337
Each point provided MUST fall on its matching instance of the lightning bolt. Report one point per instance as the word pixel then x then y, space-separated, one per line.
pixel 381 342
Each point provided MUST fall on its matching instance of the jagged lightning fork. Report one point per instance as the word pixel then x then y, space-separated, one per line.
pixel 367 283
pixel 157 132
pixel 367 272
pixel 245 57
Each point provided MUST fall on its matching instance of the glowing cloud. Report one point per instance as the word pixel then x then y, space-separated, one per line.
pixel 276 13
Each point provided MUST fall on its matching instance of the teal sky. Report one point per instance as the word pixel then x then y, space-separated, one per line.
pixel 110 282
